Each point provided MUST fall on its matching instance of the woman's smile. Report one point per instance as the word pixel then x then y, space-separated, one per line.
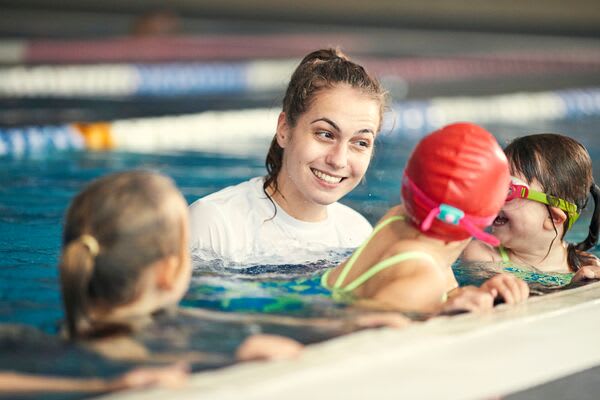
pixel 326 177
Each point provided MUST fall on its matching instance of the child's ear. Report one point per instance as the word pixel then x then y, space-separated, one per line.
pixel 557 217
pixel 166 272
pixel 283 130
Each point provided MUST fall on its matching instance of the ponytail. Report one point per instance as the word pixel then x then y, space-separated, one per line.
pixel 273 164
pixel 76 269
pixel 576 253
pixel 592 237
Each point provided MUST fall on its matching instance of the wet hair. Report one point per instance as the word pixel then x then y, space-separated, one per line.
pixel 563 168
pixel 114 229
pixel 320 70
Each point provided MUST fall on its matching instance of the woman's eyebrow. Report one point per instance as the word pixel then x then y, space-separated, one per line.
pixel 337 128
pixel 330 122
pixel 366 130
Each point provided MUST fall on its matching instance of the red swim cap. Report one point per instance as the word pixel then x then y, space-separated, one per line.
pixel 455 182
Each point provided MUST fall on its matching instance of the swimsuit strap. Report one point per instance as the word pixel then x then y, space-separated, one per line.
pixel 388 262
pixel 503 254
pixel 357 253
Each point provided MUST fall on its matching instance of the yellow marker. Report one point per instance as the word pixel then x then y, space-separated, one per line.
pixel 97 136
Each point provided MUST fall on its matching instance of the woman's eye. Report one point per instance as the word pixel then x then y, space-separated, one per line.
pixel 363 143
pixel 325 134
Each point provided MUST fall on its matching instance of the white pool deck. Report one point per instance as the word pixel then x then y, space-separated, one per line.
pixel 470 356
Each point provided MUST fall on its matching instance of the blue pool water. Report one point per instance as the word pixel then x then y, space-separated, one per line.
pixel 34 194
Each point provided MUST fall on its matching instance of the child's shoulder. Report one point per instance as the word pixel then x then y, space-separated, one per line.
pixel 480 251
pixel 396 210
pixel 412 253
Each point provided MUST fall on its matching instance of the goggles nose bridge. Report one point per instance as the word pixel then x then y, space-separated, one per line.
pixel 516 191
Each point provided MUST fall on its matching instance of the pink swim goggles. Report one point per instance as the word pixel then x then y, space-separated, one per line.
pixel 451 215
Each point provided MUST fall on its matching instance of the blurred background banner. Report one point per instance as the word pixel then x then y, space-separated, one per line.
pixel 146 75
pixel 580 17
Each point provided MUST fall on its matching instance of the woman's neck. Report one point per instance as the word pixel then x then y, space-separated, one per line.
pixel 296 206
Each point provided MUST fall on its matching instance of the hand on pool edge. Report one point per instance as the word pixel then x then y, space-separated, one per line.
pixel 587 272
pixel 507 287
pixel 467 299
pixel 268 347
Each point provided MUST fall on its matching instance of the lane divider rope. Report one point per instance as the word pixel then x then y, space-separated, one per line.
pixel 235 130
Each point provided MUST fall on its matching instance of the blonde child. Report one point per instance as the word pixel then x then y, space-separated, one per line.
pixel 124 262
pixel 454 184
pixel 551 182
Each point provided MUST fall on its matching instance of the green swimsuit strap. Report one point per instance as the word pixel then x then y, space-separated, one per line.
pixel 357 254
pixel 503 254
pixel 388 262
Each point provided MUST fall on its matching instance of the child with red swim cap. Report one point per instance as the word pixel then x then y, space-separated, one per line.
pixel 551 182
pixel 454 184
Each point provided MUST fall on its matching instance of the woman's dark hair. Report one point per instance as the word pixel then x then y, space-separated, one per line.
pixel 319 70
pixel 130 225
pixel 563 168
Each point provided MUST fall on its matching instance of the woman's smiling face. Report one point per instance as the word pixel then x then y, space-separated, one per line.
pixel 328 151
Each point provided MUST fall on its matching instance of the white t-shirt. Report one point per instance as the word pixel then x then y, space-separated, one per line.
pixel 236 224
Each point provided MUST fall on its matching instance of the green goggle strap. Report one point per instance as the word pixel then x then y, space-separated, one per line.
pixel 569 208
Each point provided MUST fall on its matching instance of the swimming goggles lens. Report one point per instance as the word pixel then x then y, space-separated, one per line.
pixel 520 190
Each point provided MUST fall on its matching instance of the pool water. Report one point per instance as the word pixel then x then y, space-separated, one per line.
pixel 35 192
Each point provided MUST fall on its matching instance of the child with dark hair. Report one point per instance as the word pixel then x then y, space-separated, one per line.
pixel 551 183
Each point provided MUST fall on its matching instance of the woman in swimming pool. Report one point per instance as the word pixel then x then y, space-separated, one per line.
pixel 552 179
pixel 454 184
pixel 332 111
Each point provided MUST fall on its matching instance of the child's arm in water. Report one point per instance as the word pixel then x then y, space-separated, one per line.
pixel 255 347
pixel 507 287
pixel 341 325
pixel 169 377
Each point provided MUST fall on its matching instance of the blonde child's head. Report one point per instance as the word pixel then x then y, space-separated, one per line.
pixel 124 234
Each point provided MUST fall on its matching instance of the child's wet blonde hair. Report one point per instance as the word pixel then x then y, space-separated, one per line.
pixel 114 229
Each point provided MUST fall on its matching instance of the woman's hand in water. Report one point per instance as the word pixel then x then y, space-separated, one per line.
pixel 268 347
pixel 508 287
pixel 467 298
pixel 587 272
